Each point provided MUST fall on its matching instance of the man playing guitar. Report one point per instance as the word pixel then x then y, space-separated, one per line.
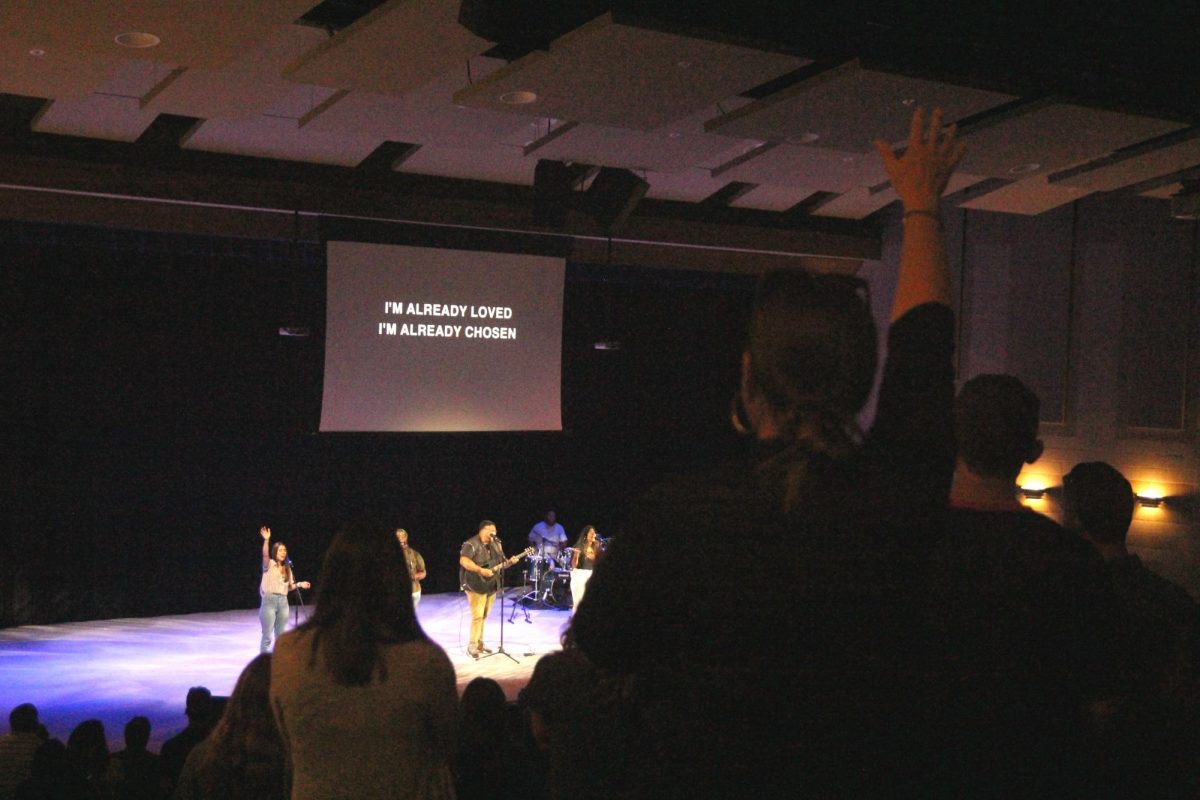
pixel 481 561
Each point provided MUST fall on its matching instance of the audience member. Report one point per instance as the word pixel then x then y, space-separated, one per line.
pixel 1019 617
pixel 17 748
pixel 1152 740
pixel 578 722
pixel 488 761
pixel 364 701
pixel 87 752
pixel 803 685
pixel 134 771
pixel 54 777
pixel 244 757
pixel 174 752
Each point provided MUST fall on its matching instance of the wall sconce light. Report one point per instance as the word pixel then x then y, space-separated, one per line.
pixel 1149 500
pixel 1032 492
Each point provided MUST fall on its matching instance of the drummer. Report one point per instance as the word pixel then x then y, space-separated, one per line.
pixel 548 537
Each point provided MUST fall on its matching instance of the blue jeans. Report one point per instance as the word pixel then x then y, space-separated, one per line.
pixel 273 614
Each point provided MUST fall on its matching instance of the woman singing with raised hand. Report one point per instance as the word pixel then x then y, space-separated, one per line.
pixel 277 581
pixel 587 550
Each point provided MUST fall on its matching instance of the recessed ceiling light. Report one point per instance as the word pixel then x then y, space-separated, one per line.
pixel 37 52
pixel 675 135
pixel 1024 169
pixel 137 39
pixel 908 101
pixel 519 98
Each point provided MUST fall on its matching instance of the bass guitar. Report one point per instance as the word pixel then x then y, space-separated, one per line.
pixel 481 585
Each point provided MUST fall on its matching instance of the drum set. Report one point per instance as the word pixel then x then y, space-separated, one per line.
pixel 548 580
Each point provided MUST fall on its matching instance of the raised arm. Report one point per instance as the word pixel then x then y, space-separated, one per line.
pixel 265 533
pixel 920 177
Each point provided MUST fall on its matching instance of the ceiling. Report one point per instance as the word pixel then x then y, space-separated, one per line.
pixel 759 108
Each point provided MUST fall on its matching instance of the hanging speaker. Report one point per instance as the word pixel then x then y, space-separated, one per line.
pixel 553 182
pixel 613 195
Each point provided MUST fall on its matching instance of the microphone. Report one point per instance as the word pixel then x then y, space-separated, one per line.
pixel 288 561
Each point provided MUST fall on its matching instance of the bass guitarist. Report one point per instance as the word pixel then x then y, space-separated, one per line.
pixel 480 563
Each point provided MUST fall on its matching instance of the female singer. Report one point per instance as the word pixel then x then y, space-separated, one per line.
pixel 587 549
pixel 277 581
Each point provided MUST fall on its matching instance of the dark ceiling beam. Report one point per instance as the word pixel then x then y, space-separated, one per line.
pixel 724 196
pixel 160 196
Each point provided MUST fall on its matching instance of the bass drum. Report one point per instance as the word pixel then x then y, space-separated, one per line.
pixel 560 590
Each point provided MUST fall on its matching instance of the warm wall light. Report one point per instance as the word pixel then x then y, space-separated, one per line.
pixel 1032 492
pixel 1149 499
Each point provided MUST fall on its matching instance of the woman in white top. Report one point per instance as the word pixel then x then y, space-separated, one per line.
pixel 277 581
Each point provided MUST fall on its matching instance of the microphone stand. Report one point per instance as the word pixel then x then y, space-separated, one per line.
pixel 299 597
pixel 500 651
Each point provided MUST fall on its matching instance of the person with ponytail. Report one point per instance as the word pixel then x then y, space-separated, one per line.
pixel 760 618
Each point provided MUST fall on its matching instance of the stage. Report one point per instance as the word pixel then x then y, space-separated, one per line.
pixel 116 669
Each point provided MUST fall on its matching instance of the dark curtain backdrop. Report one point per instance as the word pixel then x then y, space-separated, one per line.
pixel 155 419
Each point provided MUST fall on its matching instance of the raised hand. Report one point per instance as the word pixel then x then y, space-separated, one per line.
pixel 921 174
pixel 264 532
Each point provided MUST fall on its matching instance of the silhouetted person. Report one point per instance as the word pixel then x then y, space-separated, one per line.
pixel 54 777
pixel 488 759
pixel 17 748
pixel 174 752
pixel 244 757
pixel 761 616
pixel 87 750
pixel 134 771
pixel 1152 742
pixel 1020 632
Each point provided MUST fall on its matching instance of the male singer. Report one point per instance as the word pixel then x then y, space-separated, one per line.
pixel 480 562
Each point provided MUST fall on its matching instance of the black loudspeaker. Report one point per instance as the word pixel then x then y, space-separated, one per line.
pixel 613 195
pixel 553 182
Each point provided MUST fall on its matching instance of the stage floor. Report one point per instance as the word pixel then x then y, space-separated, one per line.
pixel 116 669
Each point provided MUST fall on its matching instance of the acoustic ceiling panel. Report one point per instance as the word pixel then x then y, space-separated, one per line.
pixel 245 86
pixel 1029 196
pixel 664 150
pixel 425 116
pixel 823 169
pixel 862 202
pixel 37 71
pixel 618 75
pixel 689 186
pixel 98 116
pixel 1045 138
pixel 1163 192
pixel 189 33
pixel 1114 173
pixel 773 198
pixel 398 47
pixel 847 107
pixel 499 163
pixel 281 138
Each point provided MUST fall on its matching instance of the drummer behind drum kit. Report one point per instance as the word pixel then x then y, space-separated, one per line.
pixel 548 578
